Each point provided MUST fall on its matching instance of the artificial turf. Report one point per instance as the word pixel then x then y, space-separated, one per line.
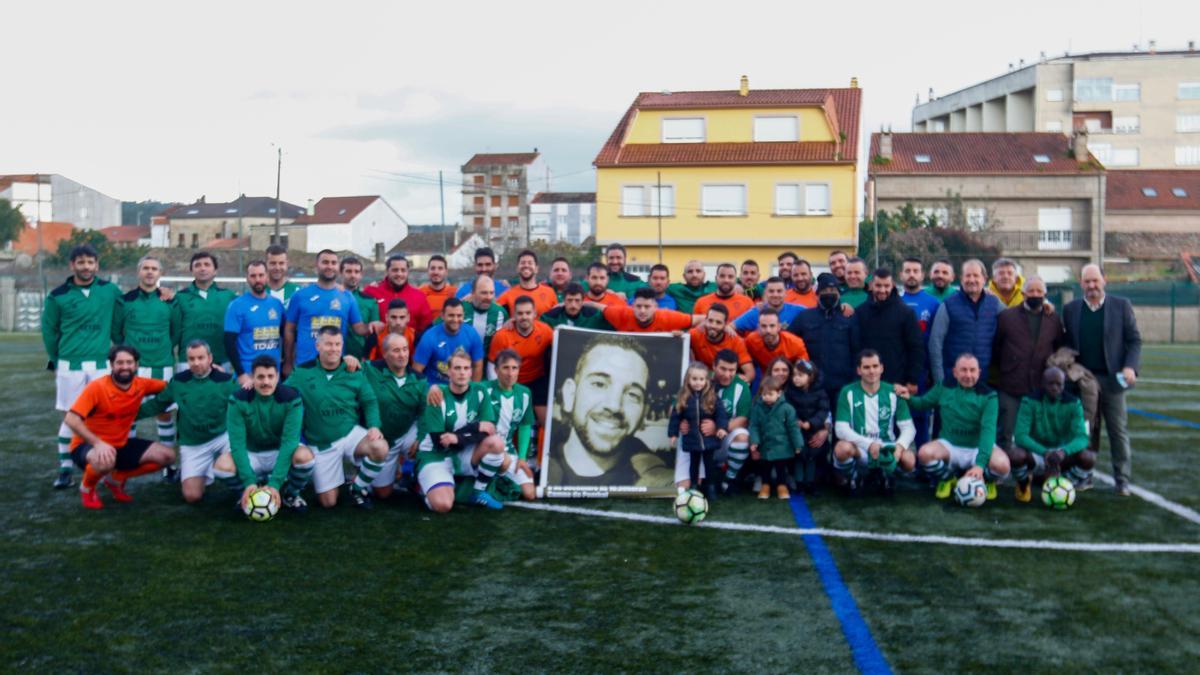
pixel 162 586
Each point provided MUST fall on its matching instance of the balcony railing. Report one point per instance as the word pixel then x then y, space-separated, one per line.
pixel 1039 240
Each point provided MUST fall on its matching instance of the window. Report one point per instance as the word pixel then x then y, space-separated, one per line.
pixel 1127 92
pixel 192 212
pixel 1042 159
pixel 976 218
pixel 941 217
pixel 1054 229
pixel 1149 192
pixel 1054 126
pixel 1187 123
pixel 562 220
pixel 195 240
pixel 514 222
pixel 1101 151
pixel 921 159
pixel 937 126
pixel 496 200
pixel 642 200
pixel 782 128
pixel 1054 274
pixel 683 130
pixel 1179 192
pixel 478 222
pixel 1189 90
pixel 723 200
pixel 283 239
pixel 495 222
pixel 787 199
pixel 1054 95
pixel 230 210
pixel 816 199
pixel 514 200
pixel 1127 125
pixel 1094 89
pixel 1124 157
pixel 181 240
pixel 1093 124
pixel 477 180
pixel 1187 155
pixel 478 201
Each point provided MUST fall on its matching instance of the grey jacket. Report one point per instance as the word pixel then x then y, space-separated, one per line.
pixel 1122 341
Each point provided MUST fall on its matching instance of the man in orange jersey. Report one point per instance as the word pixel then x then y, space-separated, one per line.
pixel 101 418
pixel 397 323
pixel 531 339
pixel 544 298
pixel 597 287
pixel 711 337
pixel 801 292
pixel 726 294
pixel 438 289
pixel 770 341
pixel 646 317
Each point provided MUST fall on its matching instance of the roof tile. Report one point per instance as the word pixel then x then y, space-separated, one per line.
pixel 1126 189
pixel 990 153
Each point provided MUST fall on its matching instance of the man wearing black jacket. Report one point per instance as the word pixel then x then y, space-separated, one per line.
pixel 832 339
pixel 889 326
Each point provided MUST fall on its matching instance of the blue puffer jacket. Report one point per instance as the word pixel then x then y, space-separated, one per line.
pixel 963 326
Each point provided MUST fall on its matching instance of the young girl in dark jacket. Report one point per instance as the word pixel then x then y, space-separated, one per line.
pixel 811 403
pixel 697 402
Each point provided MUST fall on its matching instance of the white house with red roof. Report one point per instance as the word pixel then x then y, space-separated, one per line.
pixel 366 225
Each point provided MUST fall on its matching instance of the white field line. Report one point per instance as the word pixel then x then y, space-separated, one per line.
pixel 1155 499
pixel 1178 383
pixel 873 536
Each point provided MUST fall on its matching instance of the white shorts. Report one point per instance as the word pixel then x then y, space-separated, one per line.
pixel 226 366
pixel 263 463
pixel 436 474
pixel 164 373
pixel 197 460
pixel 396 453
pixel 69 383
pixel 330 473
pixel 961 458
pixel 683 460
pixel 863 452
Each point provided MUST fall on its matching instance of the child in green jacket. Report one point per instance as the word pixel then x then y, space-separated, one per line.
pixel 774 435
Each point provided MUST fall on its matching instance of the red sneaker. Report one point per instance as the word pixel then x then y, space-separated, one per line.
pixel 117 490
pixel 90 499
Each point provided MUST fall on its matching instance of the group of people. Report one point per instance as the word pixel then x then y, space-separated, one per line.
pixel 794 379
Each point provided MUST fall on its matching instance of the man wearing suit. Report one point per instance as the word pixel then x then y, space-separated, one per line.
pixel 1103 330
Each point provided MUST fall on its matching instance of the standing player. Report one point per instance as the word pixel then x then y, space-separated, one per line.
pixel 396 324
pixel 693 287
pixel 485 266
pixel 263 423
pixel 319 306
pixel 202 394
pixel 660 279
pixel 774 294
pixel 395 285
pixel 837 267
pixel 335 400
pixel 868 413
pixel 100 420
pixel 802 291
pixel 597 287
pixel 709 339
pixel 253 324
pixel 200 312
pixel 528 285
pixel 620 281
pixel 482 313
pixel 736 303
pixel 748 278
pixel 441 341
pixel 531 340
pixel 77 322
pixel 770 342
pixel 278 285
pixel 912 275
pixel 438 288
pixel 458 435
pixel 560 276
pixel 351 269
pixel 856 283
pixel 574 312
pixel 401 395
pixel 646 317
pixel 148 322
pixel 941 280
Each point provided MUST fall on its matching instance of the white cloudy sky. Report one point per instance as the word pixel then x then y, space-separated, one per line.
pixel 170 101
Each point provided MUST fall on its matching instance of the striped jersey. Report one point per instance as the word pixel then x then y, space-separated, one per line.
pixel 864 418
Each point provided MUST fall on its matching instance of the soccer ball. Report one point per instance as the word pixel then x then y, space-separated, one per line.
pixel 970 491
pixel 1058 493
pixel 690 507
pixel 260 507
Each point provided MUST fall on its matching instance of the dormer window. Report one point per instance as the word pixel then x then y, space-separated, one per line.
pixel 683 130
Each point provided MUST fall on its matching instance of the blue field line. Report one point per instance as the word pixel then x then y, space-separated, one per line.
pixel 1165 418
pixel 866 653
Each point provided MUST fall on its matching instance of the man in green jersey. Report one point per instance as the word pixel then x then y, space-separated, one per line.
pixel 481 312
pixel 693 287
pixel 458 437
pixel 868 413
pixel 1050 437
pixel 968 410
pixel 263 424
pixel 573 312
pixel 735 395
pixel 401 395
pixel 620 281
pixel 941 280
pixel 513 404
pixel 278 284
pixel 202 394
pixel 77 322
pixel 200 312
pixel 146 319
pixel 351 269
pixel 335 399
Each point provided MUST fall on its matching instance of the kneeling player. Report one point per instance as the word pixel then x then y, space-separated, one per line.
pixel 101 419
pixel 1051 437
pixel 202 394
pixel 968 411
pixel 335 399
pixel 867 413
pixel 459 433
pixel 401 395
pixel 263 424
pixel 513 405
pixel 734 394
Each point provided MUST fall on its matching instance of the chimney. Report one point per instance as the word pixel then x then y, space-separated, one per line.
pixel 885 145
pixel 1079 144
pixel 1191 45
pixel 931 93
pixel 311 208
pixel 744 88
pixel 854 83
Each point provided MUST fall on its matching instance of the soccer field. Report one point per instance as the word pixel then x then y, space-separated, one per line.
pixel 910 584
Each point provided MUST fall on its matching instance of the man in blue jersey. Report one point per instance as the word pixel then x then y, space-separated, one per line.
pixel 438 344
pixel 485 266
pixel 313 308
pixel 253 324
pixel 924 305
pixel 774 292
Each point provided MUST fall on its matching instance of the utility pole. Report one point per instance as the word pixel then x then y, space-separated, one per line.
pixel 41 275
pixel 278 174
pixel 442 202
pixel 659 210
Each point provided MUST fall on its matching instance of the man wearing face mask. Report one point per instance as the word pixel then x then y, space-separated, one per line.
pixel 1026 335
pixel 831 337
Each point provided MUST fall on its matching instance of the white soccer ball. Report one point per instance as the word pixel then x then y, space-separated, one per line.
pixel 1058 493
pixel 970 491
pixel 260 506
pixel 690 507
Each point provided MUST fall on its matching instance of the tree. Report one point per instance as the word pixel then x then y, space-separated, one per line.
pixel 909 232
pixel 12 222
pixel 110 256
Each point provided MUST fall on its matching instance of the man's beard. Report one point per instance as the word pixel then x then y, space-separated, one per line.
pixel 122 376
pixel 912 288
pixel 941 284
pixel 715 336
pixel 583 431
pixel 257 289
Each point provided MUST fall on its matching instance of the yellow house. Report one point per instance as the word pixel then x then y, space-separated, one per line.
pixel 731 175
